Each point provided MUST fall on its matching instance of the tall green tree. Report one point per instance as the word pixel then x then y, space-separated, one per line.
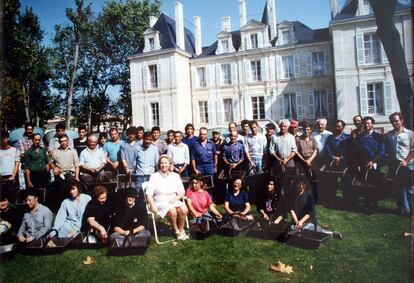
pixel 122 25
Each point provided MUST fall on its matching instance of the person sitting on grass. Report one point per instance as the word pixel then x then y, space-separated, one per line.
pixel 236 203
pixel 164 193
pixel 68 220
pixel 97 216
pixel 269 205
pixel 9 219
pixel 303 212
pixel 131 217
pixel 199 201
pixel 37 221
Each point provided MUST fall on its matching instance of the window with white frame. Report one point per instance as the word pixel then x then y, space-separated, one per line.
pixel 151 43
pixel 285 37
pixel 201 77
pixel 203 110
pixel 226 73
pixel 290 106
pixel 318 63
pixel 155 114
pixel 258 107
pixel 253 41
pixel 255 68
pixel 228 109
pixel 153 72
pixel 375 98
pixel 372 49
pixel 225 46
pixel 288 67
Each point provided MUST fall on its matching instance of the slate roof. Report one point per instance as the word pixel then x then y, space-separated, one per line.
pixel 211 50
pixel 166 27
pixel 350 8
pixel 305 34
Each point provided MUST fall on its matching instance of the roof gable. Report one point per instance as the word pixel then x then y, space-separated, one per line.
pixel 252 24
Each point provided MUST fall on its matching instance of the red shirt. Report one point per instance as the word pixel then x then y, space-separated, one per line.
pixel 201 201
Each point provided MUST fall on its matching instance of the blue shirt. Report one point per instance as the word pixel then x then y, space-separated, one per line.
pixel 203 154
pixel 190 142
pixel 237 203
pixel 129 153
pixel 370 147
pixel 147 159
pixel 338 146
pixel 233 152
pixel 113 150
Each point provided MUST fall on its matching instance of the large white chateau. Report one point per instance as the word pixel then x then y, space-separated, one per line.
pixel 266 69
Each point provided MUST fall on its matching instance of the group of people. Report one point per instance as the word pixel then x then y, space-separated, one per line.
pixel 281 153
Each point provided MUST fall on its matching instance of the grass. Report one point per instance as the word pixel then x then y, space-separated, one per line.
pixel 373 250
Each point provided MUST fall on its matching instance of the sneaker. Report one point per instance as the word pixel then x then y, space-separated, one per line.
pixel 337 235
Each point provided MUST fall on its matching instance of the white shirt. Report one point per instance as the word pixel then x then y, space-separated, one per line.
pixel 256 145
pixel 321 138
pixel 179 153
pixel 92 158
pixel 7 159
pixel 283 145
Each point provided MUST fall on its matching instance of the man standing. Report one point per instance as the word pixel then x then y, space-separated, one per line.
pixel 268 161
pixel 140 134
pixel 189 138
pixel 320 136
pixel 26 142
pixel 82 142
pixel 358 126
pixel 112 150
pixel 9 166
pixel 128 151
pixel 233 153
pixel 255 147
pixel 36 166
pixel 179 154
pixel 54 142
pixel 37 221
pixel 399 144
pixel 160 144
pixel 203 155
pixel 92 159
pixel 233 127
pixel 146 161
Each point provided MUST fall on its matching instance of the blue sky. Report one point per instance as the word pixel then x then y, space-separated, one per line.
pixel 314 13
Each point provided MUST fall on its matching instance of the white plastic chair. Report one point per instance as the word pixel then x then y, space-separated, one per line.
pixel 154 217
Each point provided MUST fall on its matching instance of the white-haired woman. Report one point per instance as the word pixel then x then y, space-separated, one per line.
pixel 164 193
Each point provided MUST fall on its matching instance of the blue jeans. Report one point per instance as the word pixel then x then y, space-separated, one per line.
pixel 406 198
pixel 206 169
pixel 139 181
pixel 258 161
pixel 179 166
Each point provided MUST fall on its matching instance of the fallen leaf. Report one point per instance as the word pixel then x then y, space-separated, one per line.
pixel 324 225
pixel 51 244
pixel 408 235
pixel 174 243
pixel 311 267
pixel 281 267
pixel 89 260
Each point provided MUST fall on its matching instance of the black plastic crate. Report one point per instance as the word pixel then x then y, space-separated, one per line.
pixel 307 239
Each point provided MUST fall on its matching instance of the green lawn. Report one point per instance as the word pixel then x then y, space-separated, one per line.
pixel 373 250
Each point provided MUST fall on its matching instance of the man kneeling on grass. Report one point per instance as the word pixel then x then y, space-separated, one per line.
pixel 199 201
pixel 130 218
pixel 304 214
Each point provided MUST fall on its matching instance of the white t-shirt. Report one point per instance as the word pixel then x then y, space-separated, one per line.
pixel 7 159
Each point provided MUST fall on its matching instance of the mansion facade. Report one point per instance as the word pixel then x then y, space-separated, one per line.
pixel 266 69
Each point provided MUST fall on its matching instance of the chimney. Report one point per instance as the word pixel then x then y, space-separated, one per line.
pixel 152 21
pixel 271 15
pixel 179 25
pixel 197 34
pixel 334 8
pixel 225 24
pixel 242 12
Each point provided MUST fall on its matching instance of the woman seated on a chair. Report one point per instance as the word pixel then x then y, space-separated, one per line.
pixel 97 216
pixel 269 205
pixel 164 193
pixel 68 220
pixel 236 203
pixel 303 212
pixel 199 201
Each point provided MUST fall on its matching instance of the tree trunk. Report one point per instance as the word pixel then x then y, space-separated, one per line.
pixel 25 89
pixel 390 38
pixel 72 77
pixel 2 61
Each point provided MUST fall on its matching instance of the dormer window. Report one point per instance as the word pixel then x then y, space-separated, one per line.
pixel 225 46
pixel 285 37
pixel 254 41
pixel 151 43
